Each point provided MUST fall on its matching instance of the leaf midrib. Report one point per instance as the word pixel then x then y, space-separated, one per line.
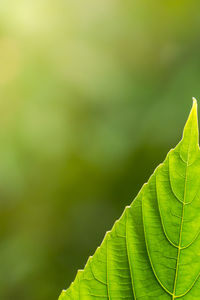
pixel 181 225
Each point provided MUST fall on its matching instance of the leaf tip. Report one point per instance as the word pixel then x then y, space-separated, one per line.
pixel 192 121
pixel 190 141
pixel 194 106
pixel 191 126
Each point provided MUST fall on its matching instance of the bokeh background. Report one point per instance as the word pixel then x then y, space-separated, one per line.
pixel 93 94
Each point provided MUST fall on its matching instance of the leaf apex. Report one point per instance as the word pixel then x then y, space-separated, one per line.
pixel 194 106
pixel 191 126
pixel 194 99
pixel 190 140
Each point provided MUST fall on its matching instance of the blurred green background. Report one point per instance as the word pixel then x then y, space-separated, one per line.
pixel 93 94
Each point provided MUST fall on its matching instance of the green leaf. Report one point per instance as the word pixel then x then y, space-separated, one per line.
pixel 153 250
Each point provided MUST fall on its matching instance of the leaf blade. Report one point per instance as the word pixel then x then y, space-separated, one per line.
pixel 149 251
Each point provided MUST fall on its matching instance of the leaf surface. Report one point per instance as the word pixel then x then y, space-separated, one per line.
pixel 153 250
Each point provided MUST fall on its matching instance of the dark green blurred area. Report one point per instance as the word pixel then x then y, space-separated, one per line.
pixel 93 94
